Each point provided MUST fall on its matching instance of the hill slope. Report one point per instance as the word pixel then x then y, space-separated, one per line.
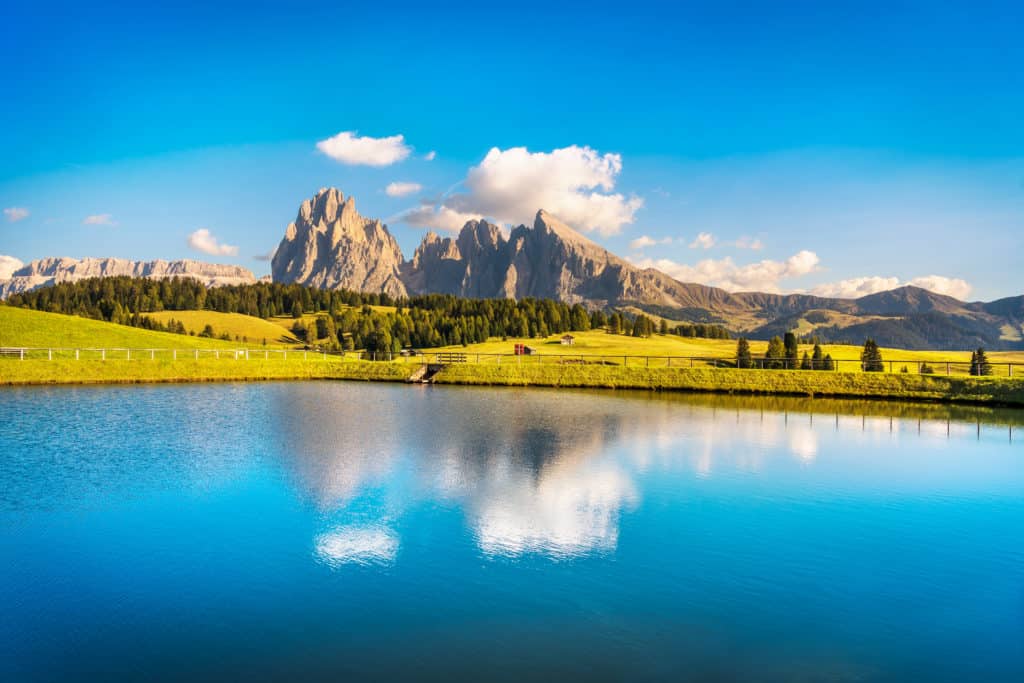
pixel 21 327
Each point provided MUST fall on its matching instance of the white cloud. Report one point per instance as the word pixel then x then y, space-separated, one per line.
pixel 15 213
pixel 99 219
pixel 203 240
pixel 8 264
pixel 348 148
pixel 573 183
pixel 763 276
pixel 748 243
pixel 269 256
pixel 643 241
pixel 950 286
pixel 704 240
pixel 439 217
pixel 400 189
pixel 856 287
pixel 430 156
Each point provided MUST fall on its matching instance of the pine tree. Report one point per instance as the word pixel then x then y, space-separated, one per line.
pixel 792 348
pixel 871 357
pixel 817 358
pixel 776 354
pixel 743 358
pixel 979 363
pixel 805 364
pixel 827 363
pixel 297 310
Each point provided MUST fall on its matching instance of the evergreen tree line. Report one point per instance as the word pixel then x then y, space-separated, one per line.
pixel 346 320
pixel 783 353
pixel 642 326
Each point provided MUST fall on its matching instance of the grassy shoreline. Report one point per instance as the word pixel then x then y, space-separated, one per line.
pixel 900 387
pixel 993 391
pixel 29 372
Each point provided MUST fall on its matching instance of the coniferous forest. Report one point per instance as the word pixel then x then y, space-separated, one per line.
pixel 345 318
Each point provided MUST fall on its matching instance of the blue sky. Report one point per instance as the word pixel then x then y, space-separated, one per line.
pixel 858 147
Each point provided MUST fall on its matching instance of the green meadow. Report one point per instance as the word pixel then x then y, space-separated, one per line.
pixel 596 359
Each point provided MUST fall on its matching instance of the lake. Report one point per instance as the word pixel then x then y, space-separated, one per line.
pixel 354 531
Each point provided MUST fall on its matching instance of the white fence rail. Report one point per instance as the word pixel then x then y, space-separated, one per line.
pixel 123 353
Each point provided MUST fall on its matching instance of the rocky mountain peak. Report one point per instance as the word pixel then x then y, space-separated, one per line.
pixel 330 245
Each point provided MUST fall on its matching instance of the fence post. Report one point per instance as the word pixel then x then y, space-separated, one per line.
pixel 76 354
pixel 325 354
pixel 129 354
pixel 266 355
pixel 174 354
pixel 49 354
pixel 286 354
pixel 947 369
pixel 103 354
pixel 22 351
pixel 1009 367
pixel 197 354
pixel 152 354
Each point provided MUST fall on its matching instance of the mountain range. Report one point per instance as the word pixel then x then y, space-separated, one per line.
pixel 331 245
pixel 50 271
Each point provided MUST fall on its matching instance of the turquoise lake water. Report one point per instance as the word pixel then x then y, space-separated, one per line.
pixel 351 531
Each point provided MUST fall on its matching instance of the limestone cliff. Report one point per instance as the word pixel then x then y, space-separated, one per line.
pixel 49 271
pixel 329 245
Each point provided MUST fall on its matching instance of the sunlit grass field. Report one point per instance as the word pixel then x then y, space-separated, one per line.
pixel 656 351
pixel 241 328
pixel 24 327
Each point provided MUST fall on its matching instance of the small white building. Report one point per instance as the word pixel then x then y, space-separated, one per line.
pixel 568 340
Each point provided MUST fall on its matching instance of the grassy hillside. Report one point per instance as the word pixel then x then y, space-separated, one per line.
pixel 24 327
pixel 245 328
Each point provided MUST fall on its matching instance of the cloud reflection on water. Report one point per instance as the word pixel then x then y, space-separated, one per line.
pixel 532 472
pixel 357 545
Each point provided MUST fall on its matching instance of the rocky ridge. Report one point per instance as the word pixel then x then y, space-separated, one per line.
pixel 54 270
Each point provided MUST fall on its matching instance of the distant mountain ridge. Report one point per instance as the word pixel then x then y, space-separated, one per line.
pixel 48 271
pixel 330 245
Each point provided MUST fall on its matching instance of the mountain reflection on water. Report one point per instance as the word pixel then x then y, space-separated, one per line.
pixel 551 472
pixel 354 531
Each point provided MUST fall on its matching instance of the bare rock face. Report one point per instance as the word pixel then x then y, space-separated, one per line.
pixel 49 271
pixel 329 245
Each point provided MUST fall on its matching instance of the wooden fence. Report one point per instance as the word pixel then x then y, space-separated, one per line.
pixel 937 367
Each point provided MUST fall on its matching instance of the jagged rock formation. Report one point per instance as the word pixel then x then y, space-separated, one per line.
pixel 329 245
pixel 49 271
